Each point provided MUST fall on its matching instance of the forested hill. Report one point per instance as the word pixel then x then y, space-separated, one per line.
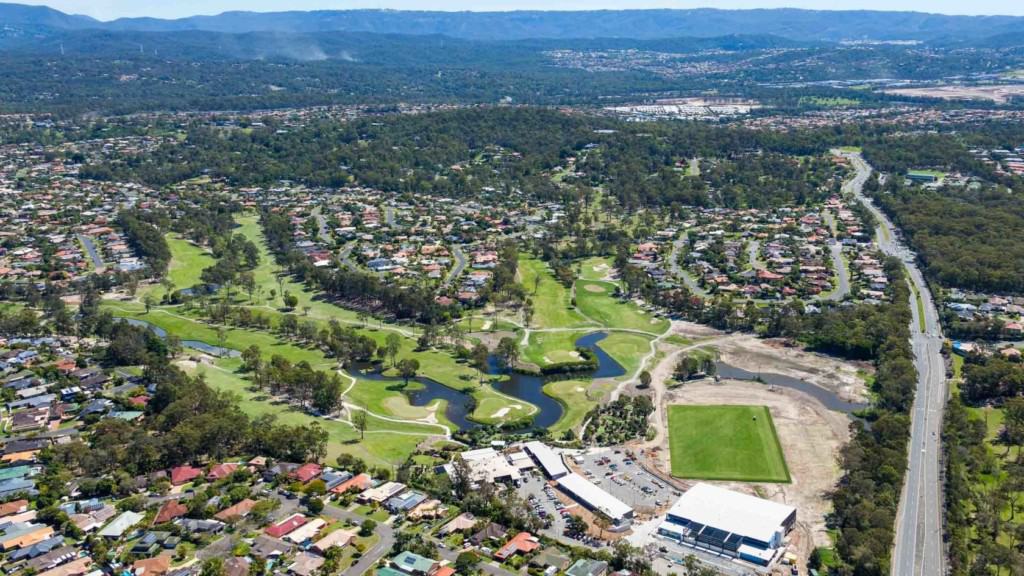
pixel 804 25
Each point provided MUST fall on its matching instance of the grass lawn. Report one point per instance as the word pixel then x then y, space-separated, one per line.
pixel 378 515
pixel 595 300
pixel 626 348
pixel 551 301
pixel 725 443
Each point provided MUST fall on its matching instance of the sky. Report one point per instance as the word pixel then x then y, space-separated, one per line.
pixel 110 9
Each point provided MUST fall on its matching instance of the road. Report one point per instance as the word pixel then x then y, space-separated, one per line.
pixel 680 272
pixel 918 547
pixel 370 557
pixel 90 247
pixel 754 255
pixel 460 264
pixel 842 273
pixel 321 220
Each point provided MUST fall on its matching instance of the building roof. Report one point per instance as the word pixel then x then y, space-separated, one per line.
pixel 411 562
pixel 522 543
pixel 733 512
pixel 169 511
pixel 587 567
pixel 595 497
pixel 232 513
pixel 340 538
pixel 183 474
pixel 548 460
pixel 306 532
pixel 464 521
pixel 358 482
pixel 287 525
pixel 489 465
pixel 118 526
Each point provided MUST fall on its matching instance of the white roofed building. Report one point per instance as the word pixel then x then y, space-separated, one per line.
pixel 598 500
pixel 727 522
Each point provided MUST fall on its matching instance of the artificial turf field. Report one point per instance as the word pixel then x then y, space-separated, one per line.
pixel 725 443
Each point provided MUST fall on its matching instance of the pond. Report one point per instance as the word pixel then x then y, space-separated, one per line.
pixel 219 351
pixel 829 399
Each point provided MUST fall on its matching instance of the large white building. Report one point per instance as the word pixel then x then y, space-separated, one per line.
pixel 728 522
pixel 598 500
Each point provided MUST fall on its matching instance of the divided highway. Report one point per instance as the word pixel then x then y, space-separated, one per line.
pixel 918 547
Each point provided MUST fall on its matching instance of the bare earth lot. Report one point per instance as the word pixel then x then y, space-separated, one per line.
pixel 998 94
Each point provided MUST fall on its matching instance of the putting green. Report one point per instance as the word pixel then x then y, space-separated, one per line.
pixel 725 443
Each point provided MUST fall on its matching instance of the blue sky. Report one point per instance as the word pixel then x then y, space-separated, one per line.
pixel 108 9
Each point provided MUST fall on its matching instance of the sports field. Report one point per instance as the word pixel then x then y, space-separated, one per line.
pixel 725 443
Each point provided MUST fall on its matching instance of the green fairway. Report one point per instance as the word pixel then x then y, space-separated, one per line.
pixel 595 268
pixel 626 348
pixel 187 262
pixel 551 301
pixel 546 348
pixel 725 443
pixel 186 266
pixel 578 397
pixel 595 300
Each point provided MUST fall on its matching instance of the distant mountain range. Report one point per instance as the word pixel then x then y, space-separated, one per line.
pixel 792 24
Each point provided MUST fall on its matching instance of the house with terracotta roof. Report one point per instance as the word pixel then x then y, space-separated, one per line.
pixel 184 474
pixel 221 471
pixel 156 566
pixel 169 511
pixel 522 543
pixel 236 512
pixel 357 483
pixel 306 472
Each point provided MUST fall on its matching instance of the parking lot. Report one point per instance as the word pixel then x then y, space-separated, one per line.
pixel 620 476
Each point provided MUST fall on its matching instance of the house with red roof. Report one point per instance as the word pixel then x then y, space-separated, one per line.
pixel 184 474
pixel 286 526
pixel 221 471
pixel 306 472
pixel 169 511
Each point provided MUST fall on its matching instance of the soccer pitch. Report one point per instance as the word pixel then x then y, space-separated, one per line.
pixel 725 443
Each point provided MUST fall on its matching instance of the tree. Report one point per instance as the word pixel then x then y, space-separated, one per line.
pixel 392 345
pixel 212 567
pixel 367 527
pixel 407 368
pixel 359 422
pixel 508 351
pixel 149 301
pixel 290 300
pixel 466 562
pixel 252 358
pixel 645 379
pixel 1013 423
pixel 315 506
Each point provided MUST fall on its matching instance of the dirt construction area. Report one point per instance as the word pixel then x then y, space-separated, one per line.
pixel 755 354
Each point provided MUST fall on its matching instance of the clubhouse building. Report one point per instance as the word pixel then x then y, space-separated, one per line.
pixel 725 522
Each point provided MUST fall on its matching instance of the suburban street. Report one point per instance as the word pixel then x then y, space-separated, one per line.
pixel 90 247
pixel 918 545
pixel 460 264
